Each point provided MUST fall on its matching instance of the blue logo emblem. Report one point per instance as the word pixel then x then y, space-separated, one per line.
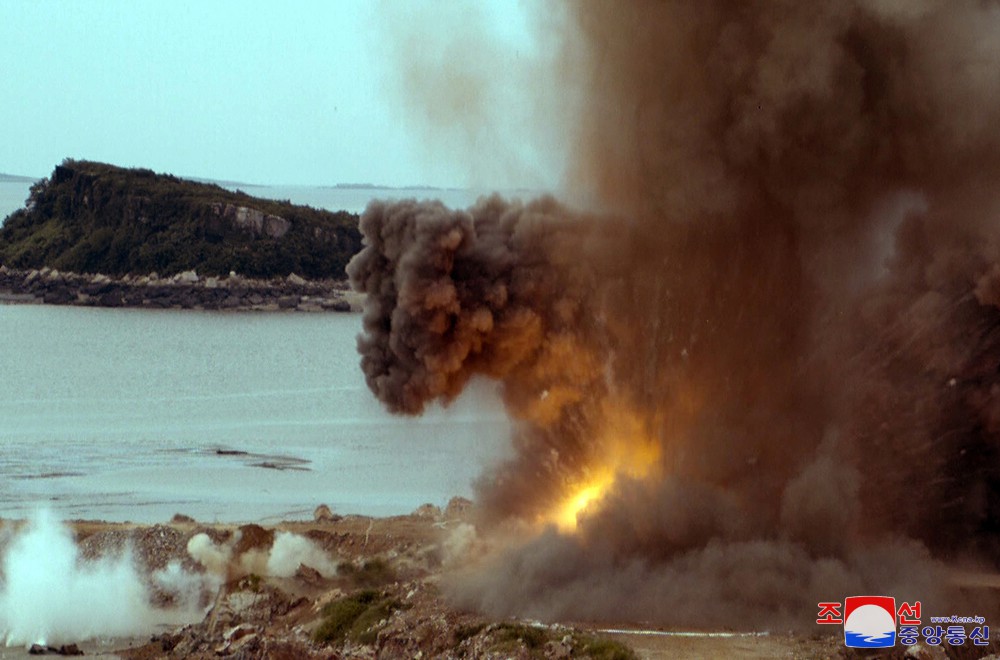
pixel 870 622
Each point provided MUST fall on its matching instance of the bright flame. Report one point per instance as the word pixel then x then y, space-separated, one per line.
pixel 568 512
pixel 625 450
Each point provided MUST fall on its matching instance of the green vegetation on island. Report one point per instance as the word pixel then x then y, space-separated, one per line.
pixel 96 218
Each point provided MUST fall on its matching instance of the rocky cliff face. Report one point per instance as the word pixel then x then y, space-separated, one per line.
pixel 256 222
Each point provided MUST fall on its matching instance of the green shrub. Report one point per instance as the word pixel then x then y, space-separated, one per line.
pixel 600 648
pixel 508 637
pixel 370 574
pixel 366 626
pixel 355 617
pixel 463 633
pixel 340 615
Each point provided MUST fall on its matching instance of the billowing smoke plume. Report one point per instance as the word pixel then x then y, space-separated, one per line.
pixel 766 373
pixel 50 595
pixel 280 557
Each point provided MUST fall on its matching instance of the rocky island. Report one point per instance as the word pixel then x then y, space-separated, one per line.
pixel 96 234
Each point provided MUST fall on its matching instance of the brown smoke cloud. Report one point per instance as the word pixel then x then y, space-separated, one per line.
pixel 765 372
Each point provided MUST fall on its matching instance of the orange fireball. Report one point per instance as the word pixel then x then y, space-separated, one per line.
pixel 624 449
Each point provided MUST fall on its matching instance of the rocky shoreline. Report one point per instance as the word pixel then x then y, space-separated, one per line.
pixel 186 290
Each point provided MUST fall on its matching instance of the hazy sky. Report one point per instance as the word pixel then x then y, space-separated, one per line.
pixel 259 92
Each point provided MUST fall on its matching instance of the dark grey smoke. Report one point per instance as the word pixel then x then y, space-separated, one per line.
pixel 795 302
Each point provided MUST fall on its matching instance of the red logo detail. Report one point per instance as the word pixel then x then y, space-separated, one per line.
pixel 909 615
pixel 887 603
pixel 829 613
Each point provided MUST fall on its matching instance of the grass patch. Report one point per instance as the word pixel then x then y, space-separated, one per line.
pixel 338 617
pixel 509 637
pixel 532 637
pixel 599 648
pixel 366 626
pixel 463 633
pixel 355 617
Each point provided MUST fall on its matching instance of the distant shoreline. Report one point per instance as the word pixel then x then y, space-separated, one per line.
pixel 15 178
pixel 186 290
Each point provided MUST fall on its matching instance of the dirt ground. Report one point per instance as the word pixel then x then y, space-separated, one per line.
pixel 382 601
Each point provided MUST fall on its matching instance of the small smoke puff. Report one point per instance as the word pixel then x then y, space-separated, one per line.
pixel 290 551
pixel 459 543
pixel 215 558
pixel 282 559
pixel 50 596
pixel 188 590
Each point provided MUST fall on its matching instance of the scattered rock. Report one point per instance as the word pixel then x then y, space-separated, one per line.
pixel 232 302
pixel 458 508
pixel 239 632
pixel 324 514
pixel 66 649
pixel 253 537
pixel 428 511
pixel 96 288
pixel 166 641
pixel 296 280
pixel 920 651
pixel 308 575
pixel 186 277
pixel 58 296
pixel 559 650
pixel 112 299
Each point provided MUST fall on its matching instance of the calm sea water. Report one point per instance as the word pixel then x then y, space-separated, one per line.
pixel 12 196
pixel 138 414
